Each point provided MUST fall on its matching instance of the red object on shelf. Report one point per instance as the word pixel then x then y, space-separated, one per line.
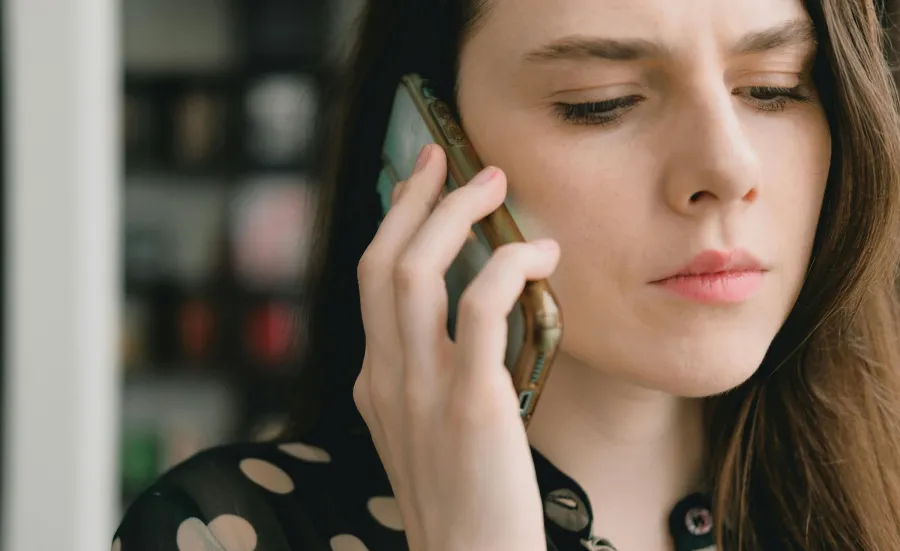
pixel 197 325
pixel 270 332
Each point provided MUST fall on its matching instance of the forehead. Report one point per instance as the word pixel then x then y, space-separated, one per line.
pixel 680 24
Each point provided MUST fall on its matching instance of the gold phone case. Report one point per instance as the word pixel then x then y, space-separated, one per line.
pixel 541 312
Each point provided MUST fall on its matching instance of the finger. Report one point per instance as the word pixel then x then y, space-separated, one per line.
pixel 441 236
pixel 413 202
pixel 485 305
pixel 397 192
pixel 376 266
pixel 419 287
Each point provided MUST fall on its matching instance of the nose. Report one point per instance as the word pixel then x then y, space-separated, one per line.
pixel 712 165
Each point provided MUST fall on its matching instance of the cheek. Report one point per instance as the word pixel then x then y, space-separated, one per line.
pixel 596 198
pixel 795 166
pixel 605 228
pixel 575 200
pixel 574 195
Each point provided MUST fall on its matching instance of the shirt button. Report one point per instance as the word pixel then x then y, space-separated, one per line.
pixel 594 543
pixel 698 521
pixel 691 523
pixel 567 510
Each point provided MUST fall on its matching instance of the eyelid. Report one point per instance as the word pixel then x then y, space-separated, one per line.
pixel 595 93
pixel 786 79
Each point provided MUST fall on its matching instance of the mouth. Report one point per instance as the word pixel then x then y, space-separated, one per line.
pixel 724 277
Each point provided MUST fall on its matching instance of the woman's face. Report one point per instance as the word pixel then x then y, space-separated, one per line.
pixel 639 134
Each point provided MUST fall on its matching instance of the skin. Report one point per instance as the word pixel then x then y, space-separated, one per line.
pixel 701 157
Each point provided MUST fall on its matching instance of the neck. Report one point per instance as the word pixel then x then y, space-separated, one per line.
pixel 636 452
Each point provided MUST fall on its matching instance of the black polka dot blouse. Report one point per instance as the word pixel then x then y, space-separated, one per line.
pixel 333 494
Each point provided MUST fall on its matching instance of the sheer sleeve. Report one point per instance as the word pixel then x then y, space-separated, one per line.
pixel 221 500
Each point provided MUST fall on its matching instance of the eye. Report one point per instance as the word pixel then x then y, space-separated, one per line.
pixel 773 98
pixel 596 112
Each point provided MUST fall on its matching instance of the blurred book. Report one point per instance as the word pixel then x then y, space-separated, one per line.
pixel 271 224
pixel 172 227
pixel 281 119
pixel 178 36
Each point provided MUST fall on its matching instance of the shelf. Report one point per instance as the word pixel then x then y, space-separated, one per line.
pixel 221 161
pixel 212 77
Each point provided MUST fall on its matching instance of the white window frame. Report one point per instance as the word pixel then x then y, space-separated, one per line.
pixel 61 274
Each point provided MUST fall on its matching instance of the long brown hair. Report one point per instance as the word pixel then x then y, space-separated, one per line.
pixel 806 454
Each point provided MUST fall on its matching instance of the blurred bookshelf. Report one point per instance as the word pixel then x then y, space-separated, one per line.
pixel 221 107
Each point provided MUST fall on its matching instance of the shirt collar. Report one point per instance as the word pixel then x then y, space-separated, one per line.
pixel 569 520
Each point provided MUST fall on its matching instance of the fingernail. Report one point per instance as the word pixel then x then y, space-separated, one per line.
pixel 545 244
pixel 422 159
pixel 484 176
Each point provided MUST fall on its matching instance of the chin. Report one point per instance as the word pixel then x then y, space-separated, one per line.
pixel 705 378
pixel 704 366
pixel 692 367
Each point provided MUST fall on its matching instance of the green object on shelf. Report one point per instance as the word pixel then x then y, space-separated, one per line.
pixel 140 462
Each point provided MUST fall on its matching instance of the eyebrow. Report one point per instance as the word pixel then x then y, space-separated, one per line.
pixel 791 33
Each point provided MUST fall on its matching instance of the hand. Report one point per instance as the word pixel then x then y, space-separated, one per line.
pixel 444 415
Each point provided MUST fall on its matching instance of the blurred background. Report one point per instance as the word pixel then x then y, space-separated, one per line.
pixel 220 116
pixel 159 178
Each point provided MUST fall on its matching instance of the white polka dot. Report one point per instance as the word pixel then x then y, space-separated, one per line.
pixel 267 475
pixel 346 542
pixel 386 511
pixel 268 431
pixel 117 545
pixel 305 452
pixel 193 535
pixel 234 533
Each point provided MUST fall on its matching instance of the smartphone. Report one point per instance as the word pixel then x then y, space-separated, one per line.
pixel 535 323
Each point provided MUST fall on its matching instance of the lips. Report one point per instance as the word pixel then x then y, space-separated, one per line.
pixel 714 262
pixel 715 276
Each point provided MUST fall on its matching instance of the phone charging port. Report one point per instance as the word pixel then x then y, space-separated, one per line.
pixel 525 401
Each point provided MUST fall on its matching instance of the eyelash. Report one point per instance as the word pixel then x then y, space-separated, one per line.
pixel 596 112
pixel 606 112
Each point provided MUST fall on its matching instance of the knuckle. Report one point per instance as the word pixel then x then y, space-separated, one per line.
pixel 473 306
pixel 361 394
pixel 408 273
pixel 362 399
pixel 369 264
pixel 373 389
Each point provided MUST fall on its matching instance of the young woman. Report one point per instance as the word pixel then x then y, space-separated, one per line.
pixel 712 190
